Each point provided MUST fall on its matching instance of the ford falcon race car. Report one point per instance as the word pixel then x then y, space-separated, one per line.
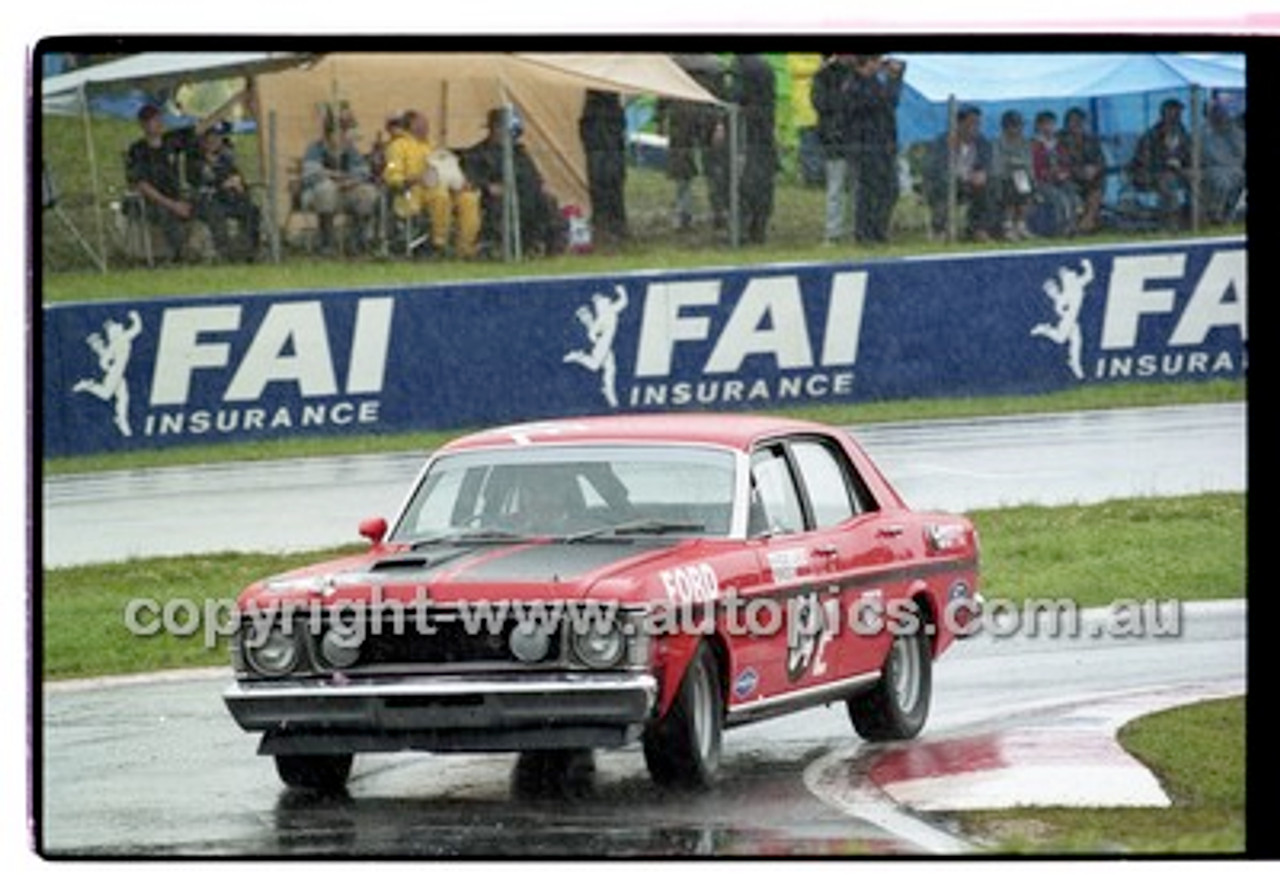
pixel 557 587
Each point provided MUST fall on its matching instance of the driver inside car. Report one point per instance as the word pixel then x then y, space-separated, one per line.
pixel 547 503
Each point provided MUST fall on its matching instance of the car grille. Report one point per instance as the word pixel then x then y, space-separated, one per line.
pixel 447 642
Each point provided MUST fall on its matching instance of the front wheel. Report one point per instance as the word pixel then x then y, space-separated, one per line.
pixel 556 774
pixel 896 708
pixel 323 773
pixel 682 749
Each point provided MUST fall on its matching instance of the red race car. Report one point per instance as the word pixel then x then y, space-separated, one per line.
pixel 554 587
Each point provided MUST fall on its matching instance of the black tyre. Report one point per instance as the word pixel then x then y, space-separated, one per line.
pixel 682 749
pixel 553 774
pixel 896 708
pixel 322 773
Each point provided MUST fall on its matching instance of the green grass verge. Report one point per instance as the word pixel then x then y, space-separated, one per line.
pixel 1082 398
pixel 1181 548
pixel 1188 548
pixel 1197 752
pixel 83 609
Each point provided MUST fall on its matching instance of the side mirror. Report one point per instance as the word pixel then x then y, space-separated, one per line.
pixel 374 529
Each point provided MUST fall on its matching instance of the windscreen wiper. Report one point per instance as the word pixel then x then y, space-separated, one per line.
pixel 636 527
pixel 470 536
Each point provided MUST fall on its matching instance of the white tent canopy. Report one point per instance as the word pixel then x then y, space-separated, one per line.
pixel 63 94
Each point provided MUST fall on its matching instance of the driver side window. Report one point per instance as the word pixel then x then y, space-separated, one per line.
pixel 775 502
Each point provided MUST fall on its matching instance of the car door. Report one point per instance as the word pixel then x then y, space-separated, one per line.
pixel 858 546
pixel 757 622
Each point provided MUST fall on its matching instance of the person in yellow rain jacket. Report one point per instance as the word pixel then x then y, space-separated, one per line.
pixel 422 178
pixel 803 66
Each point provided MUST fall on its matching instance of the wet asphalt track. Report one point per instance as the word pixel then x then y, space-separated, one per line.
pixel 159 768
pixel 952 465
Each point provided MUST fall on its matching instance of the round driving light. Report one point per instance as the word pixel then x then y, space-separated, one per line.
pixel 529 643
pixel 599 649
pixel 276 653
pixel 340 648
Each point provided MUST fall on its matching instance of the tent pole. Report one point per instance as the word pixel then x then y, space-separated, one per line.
pixel 511 248
pixel 444 113
pixel 1197 146
pixel 735 137
pixel 266 165
pixel 93 173
pixel 273 208
pixel 951 167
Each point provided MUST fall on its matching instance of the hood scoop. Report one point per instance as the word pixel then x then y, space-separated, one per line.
pixel 417 560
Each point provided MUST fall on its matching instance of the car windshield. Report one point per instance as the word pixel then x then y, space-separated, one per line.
pixel 573 492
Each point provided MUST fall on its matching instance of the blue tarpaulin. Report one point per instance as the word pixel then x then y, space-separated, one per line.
pixel 1121 92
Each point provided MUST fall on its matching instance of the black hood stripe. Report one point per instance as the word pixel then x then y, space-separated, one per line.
pixel 551 562
pixel 510 563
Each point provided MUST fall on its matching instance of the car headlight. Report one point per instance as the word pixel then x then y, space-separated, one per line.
pixel 275 653
pixel 599 647
pixel 340 648
pixel 529 643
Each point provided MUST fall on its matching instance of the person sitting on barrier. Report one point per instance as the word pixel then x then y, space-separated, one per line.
pixel 541 228
pixel 422 179
pixel 1011 176
pixel 336 178
pixel 1162 162
pixel 1052 168
pixel 221 195
pixel 962 158
pixel 1087 164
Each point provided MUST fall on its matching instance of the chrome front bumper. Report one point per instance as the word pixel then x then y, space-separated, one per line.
pixel 445 712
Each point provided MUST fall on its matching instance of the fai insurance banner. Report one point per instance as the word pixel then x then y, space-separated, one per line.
pixel 147 374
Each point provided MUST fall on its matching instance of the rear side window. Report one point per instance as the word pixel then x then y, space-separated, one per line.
pixel 775 503
pixel 826 481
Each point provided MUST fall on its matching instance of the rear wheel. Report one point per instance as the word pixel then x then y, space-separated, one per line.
pixel 896 708
pixel 323 773
pixel 682 749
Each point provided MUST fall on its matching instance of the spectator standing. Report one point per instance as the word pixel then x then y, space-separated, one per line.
pixel 603 129
pixel 754 90
pixel 1161 162
pixel 831 97
pixel 802 67
pixel 1222 150
pixel 1051 165
pixel 962 158
pixel 1087 165
pixel 336 178
pixel 415 173
pixel 873 131
pixel 221 196
pixel 692 131
pixel 1011 178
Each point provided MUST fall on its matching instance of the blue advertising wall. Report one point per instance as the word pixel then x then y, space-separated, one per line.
pixel 152 373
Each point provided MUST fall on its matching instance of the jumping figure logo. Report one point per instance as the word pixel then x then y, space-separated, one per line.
pixel 112 348
pixel 1067 293
pixel 600 320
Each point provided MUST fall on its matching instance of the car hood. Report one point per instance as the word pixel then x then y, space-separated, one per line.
pixel 531 570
